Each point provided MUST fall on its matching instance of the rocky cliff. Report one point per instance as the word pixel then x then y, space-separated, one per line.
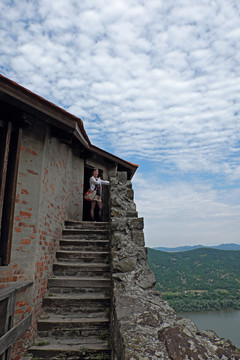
pixel 144 326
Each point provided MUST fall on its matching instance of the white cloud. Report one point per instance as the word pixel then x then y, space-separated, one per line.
pixel 153 80
pixel 185 213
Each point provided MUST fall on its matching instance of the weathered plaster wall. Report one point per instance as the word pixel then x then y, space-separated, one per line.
pixel 52 208
pixel 26 208
pixel 75 204
pixel 143 326
pixel 48 192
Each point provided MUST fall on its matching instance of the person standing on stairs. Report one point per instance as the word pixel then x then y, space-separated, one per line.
pixel 96 184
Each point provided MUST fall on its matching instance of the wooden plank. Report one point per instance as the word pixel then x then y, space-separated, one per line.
pixel 9 319
pixel 12 193
pixel 12 335
pixel 10 312
pixel 3 316
pixel 4 153
pixel 14 288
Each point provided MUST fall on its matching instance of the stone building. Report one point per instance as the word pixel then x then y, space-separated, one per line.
pixel 55 283
pixel 46 160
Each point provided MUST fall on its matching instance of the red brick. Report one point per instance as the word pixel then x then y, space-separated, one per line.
pixel 18 311
pixel 20 303
pixel 32 172
pixel 25 214
pixel 28 150
pixel 22 224
pixel 24 191
pixel 6 272
pixel 3 286
pixel 26 241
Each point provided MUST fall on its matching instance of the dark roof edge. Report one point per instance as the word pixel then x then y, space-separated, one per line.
pixel 46 107
pixel 132 167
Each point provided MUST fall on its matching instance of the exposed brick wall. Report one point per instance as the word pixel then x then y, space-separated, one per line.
pixel 22 309
pixel 26 208
pixel 54 194
pixel 47 193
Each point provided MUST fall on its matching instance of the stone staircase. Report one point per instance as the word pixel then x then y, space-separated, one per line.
pixel 75 320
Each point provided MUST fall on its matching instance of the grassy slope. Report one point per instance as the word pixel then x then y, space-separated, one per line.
pixel 215 274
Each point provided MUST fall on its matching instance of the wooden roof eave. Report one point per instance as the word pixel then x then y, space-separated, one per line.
pixel 79 136
pixel 28 101
pixel 131 168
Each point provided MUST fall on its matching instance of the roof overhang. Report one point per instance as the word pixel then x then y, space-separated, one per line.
pixel 29 102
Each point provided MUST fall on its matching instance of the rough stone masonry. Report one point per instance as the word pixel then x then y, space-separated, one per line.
pixel 144 326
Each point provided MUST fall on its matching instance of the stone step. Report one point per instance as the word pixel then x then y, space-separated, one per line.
pixel 85 234
pixel 71 350
pixel 68 326
pixel 103 313
pixel 71 224
pixel 79 285
pixel 80 282
pixel 84 245
pixel 78 290
pixel 74 324
pixel 75 338
pixel 83 256
pixel 80 269
pixel 76 303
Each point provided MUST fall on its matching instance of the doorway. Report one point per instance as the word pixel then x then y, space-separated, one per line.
pixel 87 204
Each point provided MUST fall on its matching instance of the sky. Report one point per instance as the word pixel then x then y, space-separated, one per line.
pixel 156 83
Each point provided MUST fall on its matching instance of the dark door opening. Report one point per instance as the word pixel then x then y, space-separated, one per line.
pixel 10 138
pixel 87 204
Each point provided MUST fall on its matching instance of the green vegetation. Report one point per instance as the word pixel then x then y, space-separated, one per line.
pixel 198 280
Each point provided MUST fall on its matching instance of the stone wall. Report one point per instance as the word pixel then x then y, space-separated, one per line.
pixel 143 326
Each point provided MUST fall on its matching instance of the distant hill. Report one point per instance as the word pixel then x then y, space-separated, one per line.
pixel 200 279
pixel 187 248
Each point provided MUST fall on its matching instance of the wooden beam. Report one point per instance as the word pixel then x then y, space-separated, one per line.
pixel 3 316
pixel 5 138
pixel 12 335
pixel 10 192
pixel 25 100
pixel 13 288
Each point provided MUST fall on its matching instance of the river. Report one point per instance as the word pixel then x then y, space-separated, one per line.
pixel 226 324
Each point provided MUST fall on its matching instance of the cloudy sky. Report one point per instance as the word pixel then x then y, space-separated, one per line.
pixel 157 83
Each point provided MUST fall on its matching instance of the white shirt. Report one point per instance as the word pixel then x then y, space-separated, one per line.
pixel 97 182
